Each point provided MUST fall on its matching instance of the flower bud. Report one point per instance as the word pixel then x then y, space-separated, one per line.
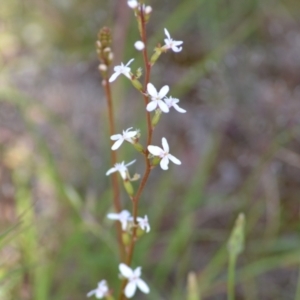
pixel 126 238
pixel 138 147
pixel 140 232
pixel 104 36
pixel 156 117
pixel 128 187
pixel 137 84
pixel 139 45
pixel 155 161
pixel 155 56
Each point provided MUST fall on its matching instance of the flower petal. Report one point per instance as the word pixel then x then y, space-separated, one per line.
pixel 167 33
pixel 137 272
pixel 155 150
pixel 151 90
pixel 125 270
pixel 130 134
pixel 112 170
pixel 116 137
pixel 165 144
pixel 163 106
pixel 151 105
pixel 174 159
pixel 142 285
pixel 117 144
pixel 129 62
pixel 91 293
pixel 130 163
pixel 176 49
pixel 164 163
pixel 114 76
pixel 163 91
pixel 113 216
pixel 179 109
pixel 130 289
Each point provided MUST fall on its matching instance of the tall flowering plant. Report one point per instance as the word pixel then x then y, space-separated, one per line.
pixel 130 226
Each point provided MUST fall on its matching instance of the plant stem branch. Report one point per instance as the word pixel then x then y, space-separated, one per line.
pixel 136 198
pixel 231 277
pixel 116 189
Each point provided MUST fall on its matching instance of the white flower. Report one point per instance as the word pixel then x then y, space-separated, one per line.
pixel 121 168
pixel 134 280
pixel 173 102
pixel 121 69
pixel 139 45
pixel 143 223
pixel 132 4
pixel 156 98
pixel 171 44
pixel 124 217
pixel 100 291
pixel 163 154
pixel 120 138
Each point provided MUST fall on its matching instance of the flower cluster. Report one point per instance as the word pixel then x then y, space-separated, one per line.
pixel 157 101
pixel 125 218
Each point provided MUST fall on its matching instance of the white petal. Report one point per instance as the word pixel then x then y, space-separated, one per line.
pixel 112 170
pixel 116 137
pixel 164 163
pixel 125 270
pixel 130 289
pixel 154 150
pixel 142 285
pixel 114 76
pixel 176 49
pixel 177 43
pixel 91 293
pixel 151 90
pixel 130 163
pixel 163 91
pixel 151 105
pixel 129 62
pixel 165 144
pixel 113 216
pixel 130 134
pixel 117 144
pixel 167 33
pixel 123 224
pixel 139 45
pixel 163 106
pixel 179 109
pixel 174 159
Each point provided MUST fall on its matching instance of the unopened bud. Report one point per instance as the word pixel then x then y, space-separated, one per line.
pixel 156 160
pixel 155 56
pixel 126 238
pixel 132 4
pixel 139 45
pixel 98 44
pixel 148 10
pixel 137 84
pixel 104 36
pixel 138 147
pixel 156 117
pixel 128 187
pixel 102 67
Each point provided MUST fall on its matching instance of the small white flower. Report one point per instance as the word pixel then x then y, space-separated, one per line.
pixel 143 223
pixel 127 135
pixel 132 4
pixel 156 98
pixel 121 168
pixel 148 10
pixel 139 45
pixel 134 280
pixel 171 44
pixel 124 217
pixel 163 154
pixel 121 69
pixel 173 102
pixel 100 291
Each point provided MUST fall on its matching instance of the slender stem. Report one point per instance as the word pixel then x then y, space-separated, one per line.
pixel 116 189
pixel 136 198
pixel 231 277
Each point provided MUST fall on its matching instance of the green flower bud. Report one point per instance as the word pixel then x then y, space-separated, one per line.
pixel 128 187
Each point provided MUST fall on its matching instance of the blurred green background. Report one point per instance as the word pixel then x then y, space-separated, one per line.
pixel 238 77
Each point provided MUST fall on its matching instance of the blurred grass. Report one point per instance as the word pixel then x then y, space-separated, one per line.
pixel 64 254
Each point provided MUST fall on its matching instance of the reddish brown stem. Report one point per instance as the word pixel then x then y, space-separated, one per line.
pixel 136 198
pixel 116 190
